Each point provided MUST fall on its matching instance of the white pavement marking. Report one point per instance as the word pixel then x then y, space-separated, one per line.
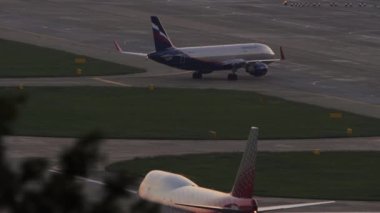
pixel 315 83
pixel 111 82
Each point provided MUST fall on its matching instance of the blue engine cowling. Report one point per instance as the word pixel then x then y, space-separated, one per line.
pixel 257 69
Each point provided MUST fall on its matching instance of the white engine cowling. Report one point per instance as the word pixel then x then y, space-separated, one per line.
pixel 257 69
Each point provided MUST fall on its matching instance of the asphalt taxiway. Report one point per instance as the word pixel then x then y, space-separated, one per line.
pixel 19 148
pixel 332 52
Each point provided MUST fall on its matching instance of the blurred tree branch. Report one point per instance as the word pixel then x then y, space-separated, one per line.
pixel 32 189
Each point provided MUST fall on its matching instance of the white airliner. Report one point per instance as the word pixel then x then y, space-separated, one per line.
pixel 176 193
pixel 253 57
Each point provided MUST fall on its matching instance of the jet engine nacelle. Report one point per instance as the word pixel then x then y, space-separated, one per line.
pixel 257 69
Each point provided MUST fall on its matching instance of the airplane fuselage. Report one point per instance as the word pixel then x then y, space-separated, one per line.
pixel 175 191
pixel 253 57
pixel 206 59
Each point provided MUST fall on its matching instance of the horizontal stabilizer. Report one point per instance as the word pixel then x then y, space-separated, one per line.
pixel 118 48
pixel 213 208
pixel 291 206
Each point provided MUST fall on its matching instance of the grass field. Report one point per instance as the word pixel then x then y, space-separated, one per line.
pixel 177 114
pixel 331 175
pixel 24 60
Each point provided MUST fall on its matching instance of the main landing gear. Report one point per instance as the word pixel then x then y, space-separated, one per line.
pixel 197 75
pixel 232 77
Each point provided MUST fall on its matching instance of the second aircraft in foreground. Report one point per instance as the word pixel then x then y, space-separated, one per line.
pixel 253 57
pixel 176 193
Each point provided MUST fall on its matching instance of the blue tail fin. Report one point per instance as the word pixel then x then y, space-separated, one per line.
pixel 161 39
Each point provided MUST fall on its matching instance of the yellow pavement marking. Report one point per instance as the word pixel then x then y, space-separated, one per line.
pixel 111 82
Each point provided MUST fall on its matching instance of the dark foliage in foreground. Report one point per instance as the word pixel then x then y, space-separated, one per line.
pixel 32 188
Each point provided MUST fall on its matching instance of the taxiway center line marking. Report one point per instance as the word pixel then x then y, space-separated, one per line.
pixel 111 82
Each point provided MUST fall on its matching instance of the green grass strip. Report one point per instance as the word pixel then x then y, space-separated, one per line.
pixel 331 175
pixel 25 60
pixel 177 114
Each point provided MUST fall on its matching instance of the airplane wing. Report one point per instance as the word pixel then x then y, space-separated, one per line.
pixel 213 208
pixel 260 209
pixel 241 62
pixel 235 62
pixel 274 208
pixel 265 61
pixel 118 48
pixel 268 61
pixel 89 180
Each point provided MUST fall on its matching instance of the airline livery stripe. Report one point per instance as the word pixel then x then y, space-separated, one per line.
pixel 162 34
pixel 155 27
